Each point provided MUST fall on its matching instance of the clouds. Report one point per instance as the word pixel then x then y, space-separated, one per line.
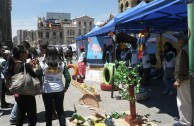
pixel 102 18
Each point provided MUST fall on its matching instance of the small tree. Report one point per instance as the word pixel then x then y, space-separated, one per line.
pixel 125 77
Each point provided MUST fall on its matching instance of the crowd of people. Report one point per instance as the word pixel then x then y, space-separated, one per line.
pixel 175 75
pixel 49 71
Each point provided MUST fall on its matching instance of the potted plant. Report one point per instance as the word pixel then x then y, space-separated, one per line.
pixel 128 81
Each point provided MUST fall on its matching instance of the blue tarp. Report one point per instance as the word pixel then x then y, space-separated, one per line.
pixel 92 31
pixel 158 14
pixel 79 38
pixel 110 26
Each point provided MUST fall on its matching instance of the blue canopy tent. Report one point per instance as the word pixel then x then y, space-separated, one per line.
pixel 110 26
pixel 91 33
pixel 158 15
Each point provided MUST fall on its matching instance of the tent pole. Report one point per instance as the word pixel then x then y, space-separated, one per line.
pixel 161 58
pixel 190 10
pixel 113 73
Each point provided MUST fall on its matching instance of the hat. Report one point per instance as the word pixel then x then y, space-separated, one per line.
pixel 7 52
pixel 81 47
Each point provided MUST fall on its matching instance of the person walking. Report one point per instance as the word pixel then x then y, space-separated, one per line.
pixel 25 103
pixel 53 88
pixel 182 84
pixel 60 50
pixel 69 55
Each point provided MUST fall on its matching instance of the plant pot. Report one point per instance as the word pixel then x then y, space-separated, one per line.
pixel 106 87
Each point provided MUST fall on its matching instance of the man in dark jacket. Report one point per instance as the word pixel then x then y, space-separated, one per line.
pixel 69 55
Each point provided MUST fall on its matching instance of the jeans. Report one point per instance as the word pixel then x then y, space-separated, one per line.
pixel 58 98
pixel 169 79
pixel 14 112
pixel 146 76
pixel 26 104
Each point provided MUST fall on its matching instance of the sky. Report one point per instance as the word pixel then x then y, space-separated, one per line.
pixel 25 12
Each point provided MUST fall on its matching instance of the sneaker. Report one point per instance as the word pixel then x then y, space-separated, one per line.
pixel 12 122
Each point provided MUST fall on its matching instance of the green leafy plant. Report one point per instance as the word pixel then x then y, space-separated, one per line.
pixel 124 77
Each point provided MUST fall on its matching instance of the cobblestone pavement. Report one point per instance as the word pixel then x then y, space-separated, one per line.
pixel 159 108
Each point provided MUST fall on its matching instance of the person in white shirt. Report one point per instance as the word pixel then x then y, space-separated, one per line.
pixel 169 67
pixel 125 56
pixel 53 87
pixel 134 56
pixel 146 68
pixel 82 63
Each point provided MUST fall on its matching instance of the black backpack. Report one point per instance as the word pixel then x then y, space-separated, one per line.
pixel 153 59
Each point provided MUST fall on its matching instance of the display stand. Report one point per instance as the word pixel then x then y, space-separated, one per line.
pixel 88 98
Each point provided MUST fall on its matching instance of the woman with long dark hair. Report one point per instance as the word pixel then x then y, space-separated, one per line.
pixel 169 65
pixel 25 103
pixel 53 88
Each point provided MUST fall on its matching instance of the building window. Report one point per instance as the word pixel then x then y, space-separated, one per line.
pixel 126 4
pixel 70 32
pixel 79 24
pixel 40 34
pixel 84 23
pixel 139 1
pixel 47 34
pixel 54 35
pixel 61 35
pixel 85 31
pixel 90 23
pixel 121 7
pixel 79 32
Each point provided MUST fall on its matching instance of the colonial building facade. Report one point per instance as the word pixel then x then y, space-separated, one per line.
pixel 124 4
pixel 51 31
pixel 79 26
pixel 5 23
pixel 60 32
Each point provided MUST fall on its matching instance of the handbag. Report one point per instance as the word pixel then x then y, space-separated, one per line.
pixel 23 83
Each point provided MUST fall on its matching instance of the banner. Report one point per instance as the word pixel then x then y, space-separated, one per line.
pixel 95 45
